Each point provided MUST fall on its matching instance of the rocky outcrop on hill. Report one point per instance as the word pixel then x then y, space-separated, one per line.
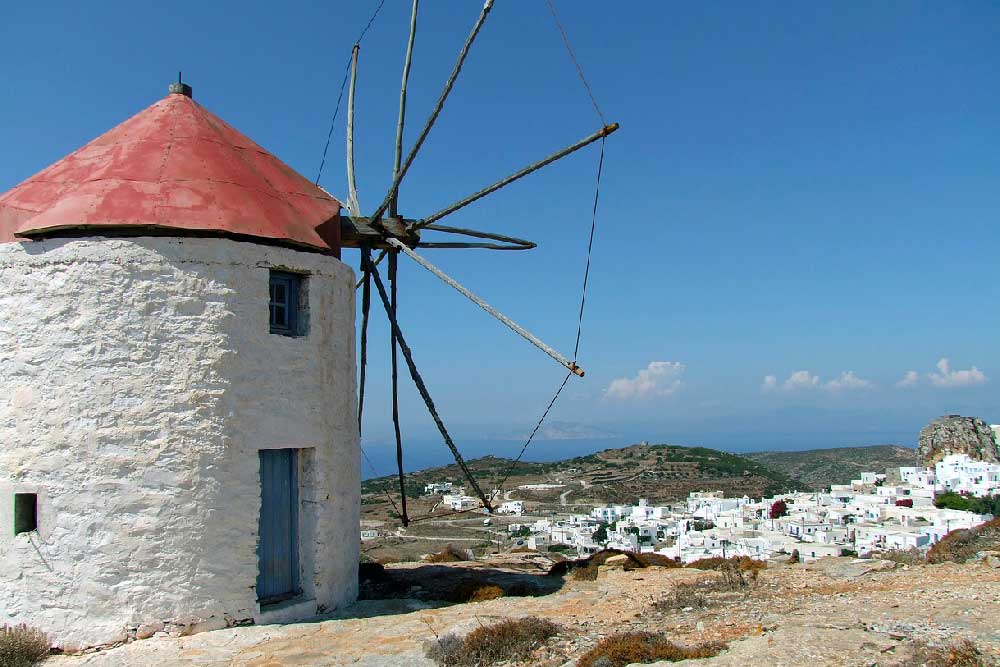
pixel 954 434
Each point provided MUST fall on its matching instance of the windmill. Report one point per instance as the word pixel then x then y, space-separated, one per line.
pixel 391 233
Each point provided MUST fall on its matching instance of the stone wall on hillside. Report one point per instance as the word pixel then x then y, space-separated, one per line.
pixel 954 434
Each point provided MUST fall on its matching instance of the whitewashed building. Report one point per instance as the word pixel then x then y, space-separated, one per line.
pixel 177 387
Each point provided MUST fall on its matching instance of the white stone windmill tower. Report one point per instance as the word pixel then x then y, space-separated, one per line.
pixel 178 444
pixel 179 413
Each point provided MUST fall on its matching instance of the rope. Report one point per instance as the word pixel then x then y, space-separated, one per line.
pixel 590 250
pixel 366 303
pixel 371 466
pixel 579 70
pixel 340 95
pixel 427 517
pixel 534 431
pixel 579 325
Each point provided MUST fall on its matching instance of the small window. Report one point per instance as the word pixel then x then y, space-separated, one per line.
pixel 25 513
pixel 287 304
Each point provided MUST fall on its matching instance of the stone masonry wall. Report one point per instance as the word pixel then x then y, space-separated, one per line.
pixel 138 379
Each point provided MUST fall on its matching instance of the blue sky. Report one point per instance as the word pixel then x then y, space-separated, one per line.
pixel 798 191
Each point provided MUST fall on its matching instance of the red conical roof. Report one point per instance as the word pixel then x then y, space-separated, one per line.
pixel 173 166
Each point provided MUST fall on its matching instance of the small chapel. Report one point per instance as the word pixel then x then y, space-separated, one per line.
pixel 178 424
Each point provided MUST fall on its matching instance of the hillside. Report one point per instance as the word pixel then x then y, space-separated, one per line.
pixel 660 473
pixel 819 468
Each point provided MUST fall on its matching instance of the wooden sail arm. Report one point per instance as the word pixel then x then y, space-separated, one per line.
pixel 503 182
pixel 352 186
pixel 511 324
pixel 449 84
pixel 356 232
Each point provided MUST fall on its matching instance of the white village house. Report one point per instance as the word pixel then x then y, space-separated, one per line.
pixel 177 387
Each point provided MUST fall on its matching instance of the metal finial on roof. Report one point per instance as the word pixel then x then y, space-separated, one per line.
pixel 180 87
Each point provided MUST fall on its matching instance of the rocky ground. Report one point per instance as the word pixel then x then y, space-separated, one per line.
pixel 833 612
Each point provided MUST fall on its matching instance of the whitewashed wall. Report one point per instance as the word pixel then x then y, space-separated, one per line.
pixel 138 379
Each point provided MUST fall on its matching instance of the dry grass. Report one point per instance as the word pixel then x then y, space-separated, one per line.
pixel 693 594
pixel 22 646
pixel 489 645
pixel 962 653
pixel 624 649
pixel 743 564
pixel 449 554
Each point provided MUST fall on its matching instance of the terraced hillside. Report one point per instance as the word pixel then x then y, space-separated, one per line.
pixel 819 468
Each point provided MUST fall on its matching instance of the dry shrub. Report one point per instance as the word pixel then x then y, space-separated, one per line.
pixel 22 646
pixel 962 653
pixel 489 645
pixel 474 591
pixel 523 550
pixel 521 589
pixel 742 563
pixel 627 648
pixel 587 573
pixel 960 545
pixel 586 569
pixel 738 573
pixel 657 560
pixel 449 554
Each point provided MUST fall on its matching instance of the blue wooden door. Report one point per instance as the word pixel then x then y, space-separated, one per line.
pixel 278 549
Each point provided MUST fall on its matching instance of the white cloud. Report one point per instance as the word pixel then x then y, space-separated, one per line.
pixel 909 380
pixel 795 382
pixel 805 381
pixel 847 381
pixel 946 377
pixel 659 378
pixel 800 380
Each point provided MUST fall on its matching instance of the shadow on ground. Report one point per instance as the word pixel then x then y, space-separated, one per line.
pixel 450 584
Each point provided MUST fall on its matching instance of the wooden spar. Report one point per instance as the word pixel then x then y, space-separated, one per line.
pixel 508 242
pixel 356 232
pixel 514 242
pixel 394 188
pixel 366 300
pixel 398 154
pixel 514 326
pixel 484 246
pixel 421 387
pixel 393 257
pixel 586 141
pixel 351 183
pixel 378 260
